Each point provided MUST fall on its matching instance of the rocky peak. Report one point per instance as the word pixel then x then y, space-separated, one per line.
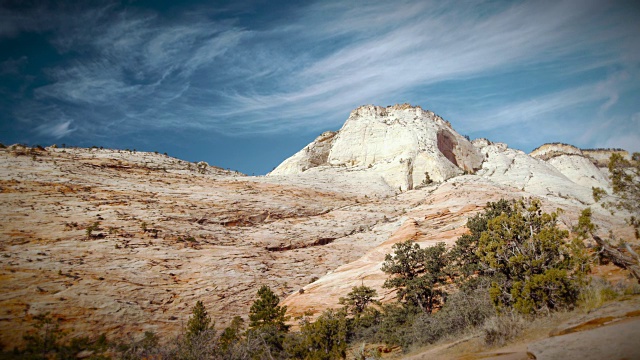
pixel 404 144
pixel 548 151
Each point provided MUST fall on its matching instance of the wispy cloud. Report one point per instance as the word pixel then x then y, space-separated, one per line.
pixel 55 130
pixel 137 68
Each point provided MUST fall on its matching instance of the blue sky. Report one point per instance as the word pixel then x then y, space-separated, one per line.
pixel 245 84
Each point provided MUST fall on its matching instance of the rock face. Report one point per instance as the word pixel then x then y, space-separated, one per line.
pixel 400 143
pixel 314 154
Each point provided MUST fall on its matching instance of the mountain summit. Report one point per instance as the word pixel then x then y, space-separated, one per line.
pixel 405 145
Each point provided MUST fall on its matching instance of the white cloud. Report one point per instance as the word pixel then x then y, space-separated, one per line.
pixel 56 130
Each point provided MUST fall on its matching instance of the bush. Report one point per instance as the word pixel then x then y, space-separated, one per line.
pixel 595 293
pixel 45 341
pixel 267 320
pixel 461 312
pixel 266 311
pixel 624 175
pixel 358 299
pixel 464 262
pixel 323 339
pixel 146 348
pixel 199 322
pixel 498 330
pixel 395 325
pixel 531 265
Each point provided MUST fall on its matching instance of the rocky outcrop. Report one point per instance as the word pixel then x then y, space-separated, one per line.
pixel 549 151
pixel 600 157
pixel 400 143
pixel 514 168
pixel 573 163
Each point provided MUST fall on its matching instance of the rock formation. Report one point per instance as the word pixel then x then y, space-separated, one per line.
pixel 404 145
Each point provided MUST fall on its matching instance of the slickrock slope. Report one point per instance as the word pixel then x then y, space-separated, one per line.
pixel 400 143
pixel 517 169
pixel 214 236
pixel 434 214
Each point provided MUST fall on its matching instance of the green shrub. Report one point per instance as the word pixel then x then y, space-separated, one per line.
pixel 595 293
pixel 462 311
pixel 529 261
pixel 323 339
pixel 358 299
pixel 395 325
pixel 199 322
pixel 267 320
pixel 464 262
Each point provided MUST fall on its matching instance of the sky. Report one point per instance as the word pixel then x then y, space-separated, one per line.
pixel 245 84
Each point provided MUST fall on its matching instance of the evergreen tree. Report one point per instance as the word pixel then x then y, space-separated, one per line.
pixel 531 266
pixel 231 334
pixel 266 311
pixel 323 339
pixel 358 299
pixel 199 322
pixel 416 274
pixel 464 261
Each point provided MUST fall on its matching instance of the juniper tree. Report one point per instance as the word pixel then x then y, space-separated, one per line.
pixel 416 274
pixel 625 180
pixel 358 299
pixel 531 265
pixel 266 311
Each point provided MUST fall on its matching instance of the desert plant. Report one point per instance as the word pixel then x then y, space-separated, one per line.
pixel 267 320
pixel 199 322
pixel 526 254
pixel 323 339
pixel 595 293
pixel 416 274
pixel 358 299
pixel 91 228
pixel 625 179
pixel 145 348
pixel 231 334
pixel 266 311
pixel 464 261
pixel 498 330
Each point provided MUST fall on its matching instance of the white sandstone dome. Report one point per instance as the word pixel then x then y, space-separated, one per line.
pixel 400 143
